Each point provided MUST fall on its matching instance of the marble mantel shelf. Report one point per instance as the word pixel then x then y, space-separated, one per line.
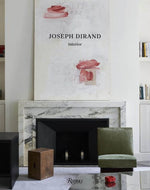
pixel 66 103
pixel 28 111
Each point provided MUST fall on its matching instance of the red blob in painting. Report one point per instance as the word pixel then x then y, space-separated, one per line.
pixel 88 71
pixel 89 64
pixel 56 11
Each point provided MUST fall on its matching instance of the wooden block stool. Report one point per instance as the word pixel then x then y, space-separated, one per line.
pixel 40 163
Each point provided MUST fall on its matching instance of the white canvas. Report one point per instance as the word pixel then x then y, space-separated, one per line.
pixel 71 50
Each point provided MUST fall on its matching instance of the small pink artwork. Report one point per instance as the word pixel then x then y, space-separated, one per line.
pixel 88 71
pixel 55 11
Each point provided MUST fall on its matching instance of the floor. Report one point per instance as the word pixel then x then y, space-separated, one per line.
pixel 62 179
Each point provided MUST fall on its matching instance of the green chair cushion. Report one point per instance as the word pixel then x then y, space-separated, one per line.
pixel 116 161
pixel 115 141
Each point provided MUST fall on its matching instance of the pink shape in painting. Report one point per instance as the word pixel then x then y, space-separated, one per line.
pixel 87 70
pixel 85 75
pixel 55 11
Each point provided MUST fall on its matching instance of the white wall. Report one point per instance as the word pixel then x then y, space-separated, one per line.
pixel 2 13
pixel 19 57
pixel 144 36
pixel 124 58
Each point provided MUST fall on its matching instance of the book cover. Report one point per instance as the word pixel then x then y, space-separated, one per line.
pixel 141 92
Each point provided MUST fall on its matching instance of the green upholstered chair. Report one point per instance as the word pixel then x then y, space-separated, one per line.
pixel 115 149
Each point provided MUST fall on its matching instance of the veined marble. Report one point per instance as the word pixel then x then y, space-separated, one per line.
pixel 30 110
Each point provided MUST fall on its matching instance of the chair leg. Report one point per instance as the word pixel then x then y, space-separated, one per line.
pixel 111 170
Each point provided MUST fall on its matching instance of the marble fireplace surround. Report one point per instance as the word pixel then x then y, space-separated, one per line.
pixel 28 111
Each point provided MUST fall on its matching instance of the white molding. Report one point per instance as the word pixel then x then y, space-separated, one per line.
pixel 142 156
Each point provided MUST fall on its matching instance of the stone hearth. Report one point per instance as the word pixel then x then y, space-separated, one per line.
pixel 115 111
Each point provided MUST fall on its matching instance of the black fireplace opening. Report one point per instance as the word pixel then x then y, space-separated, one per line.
pixel 74 140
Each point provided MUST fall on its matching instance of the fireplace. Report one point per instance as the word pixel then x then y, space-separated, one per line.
pixel 30 111
pixel 74 140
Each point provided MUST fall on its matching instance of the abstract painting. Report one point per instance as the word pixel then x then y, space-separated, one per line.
pixel 71 50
